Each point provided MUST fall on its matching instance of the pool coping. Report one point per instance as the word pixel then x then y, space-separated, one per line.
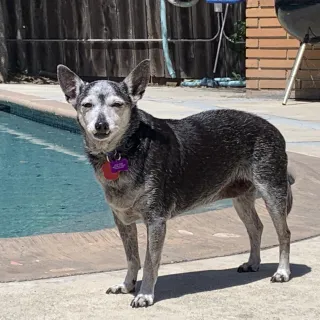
pixel 37 103
pixel 203 235
pixel 49 112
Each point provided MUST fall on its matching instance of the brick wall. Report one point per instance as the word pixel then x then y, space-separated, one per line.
pixel 271 52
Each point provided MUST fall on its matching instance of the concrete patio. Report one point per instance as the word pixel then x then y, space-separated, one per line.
pixel 203 289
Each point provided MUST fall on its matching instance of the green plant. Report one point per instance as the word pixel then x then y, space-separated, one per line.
pixel 239 34
pixel 236 76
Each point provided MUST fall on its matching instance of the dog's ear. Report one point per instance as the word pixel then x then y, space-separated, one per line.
pixel 70 83
pixel 138 80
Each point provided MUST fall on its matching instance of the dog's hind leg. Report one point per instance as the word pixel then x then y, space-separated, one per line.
pixel 128 234
pixel 274 191
pixel 244 206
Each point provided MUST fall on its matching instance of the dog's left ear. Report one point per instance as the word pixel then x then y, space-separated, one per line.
pixel 138 80
pixel 70 83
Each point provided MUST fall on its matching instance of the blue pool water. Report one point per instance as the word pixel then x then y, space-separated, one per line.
pixel 46 182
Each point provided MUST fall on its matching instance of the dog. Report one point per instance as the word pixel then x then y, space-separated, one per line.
pixel 153 169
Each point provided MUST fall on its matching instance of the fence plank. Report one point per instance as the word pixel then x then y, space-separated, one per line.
pixel 47 59
pixel 69 30
pixel 112 31
pixel 154 32
pixel 19 32
pixel 60 32
pixel 34 47
pixel 98 32
pixel 55 49
pixel 211 30
pixel 9 14
pixel 186 50
pixel 85 53
pixel 174 32
pixel 3 44
pixel 127 59
pixel 40 28
pixel 139 28
pixel 201 49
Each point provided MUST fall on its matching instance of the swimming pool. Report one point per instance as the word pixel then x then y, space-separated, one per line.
pixel 46 183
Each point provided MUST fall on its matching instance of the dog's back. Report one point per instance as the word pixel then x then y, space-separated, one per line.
pixel 214 152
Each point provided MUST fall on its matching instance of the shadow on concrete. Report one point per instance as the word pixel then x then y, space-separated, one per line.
pixel 177 285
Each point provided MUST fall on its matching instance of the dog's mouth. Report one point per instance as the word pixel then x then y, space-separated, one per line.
pixel 101 136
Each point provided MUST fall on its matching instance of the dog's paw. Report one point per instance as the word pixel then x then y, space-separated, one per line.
pixel 142 300
pixel 248 267
pixel 281 276
pixel 121 288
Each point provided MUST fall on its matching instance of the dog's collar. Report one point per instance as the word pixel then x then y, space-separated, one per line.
pixel 113 155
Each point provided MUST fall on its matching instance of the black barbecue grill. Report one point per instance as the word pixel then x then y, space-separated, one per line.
pixel 301 19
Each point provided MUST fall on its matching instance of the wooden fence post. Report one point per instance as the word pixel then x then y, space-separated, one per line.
pixel 3 47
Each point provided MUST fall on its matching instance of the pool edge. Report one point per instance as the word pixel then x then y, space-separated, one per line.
pixel 49 112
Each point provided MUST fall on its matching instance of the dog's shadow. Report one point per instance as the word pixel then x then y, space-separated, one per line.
pixel 177 285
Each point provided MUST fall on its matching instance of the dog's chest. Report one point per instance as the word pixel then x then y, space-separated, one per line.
pixel 123 197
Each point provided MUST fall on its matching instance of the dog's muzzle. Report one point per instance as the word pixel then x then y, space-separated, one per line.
pixel 101 130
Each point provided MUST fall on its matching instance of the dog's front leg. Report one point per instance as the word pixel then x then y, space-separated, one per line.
pixel 156 232
pixel 129 238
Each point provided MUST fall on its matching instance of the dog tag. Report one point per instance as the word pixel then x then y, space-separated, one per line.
pixel 119 165
pixel 107 172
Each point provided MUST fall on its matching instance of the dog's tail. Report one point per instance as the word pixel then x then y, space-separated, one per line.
pixel 291 181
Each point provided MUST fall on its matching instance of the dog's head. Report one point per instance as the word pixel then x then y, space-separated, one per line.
pixel 104 107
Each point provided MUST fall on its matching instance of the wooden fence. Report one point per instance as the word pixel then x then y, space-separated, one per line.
pixel 79 20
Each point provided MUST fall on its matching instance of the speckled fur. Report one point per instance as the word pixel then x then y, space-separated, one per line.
pixel 176 165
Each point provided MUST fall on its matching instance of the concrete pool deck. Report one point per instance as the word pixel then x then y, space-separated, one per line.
pixel 196 290
pixel 197 236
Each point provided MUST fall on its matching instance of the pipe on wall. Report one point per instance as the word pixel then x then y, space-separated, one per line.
pixel 164 34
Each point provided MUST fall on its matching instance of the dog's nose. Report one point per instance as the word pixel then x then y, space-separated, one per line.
pixel 101 126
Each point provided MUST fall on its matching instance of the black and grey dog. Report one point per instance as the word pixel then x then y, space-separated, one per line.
pixel 154 169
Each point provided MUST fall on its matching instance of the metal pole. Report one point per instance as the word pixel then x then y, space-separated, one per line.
pixel 294 71
pixel 119 40
pixel 164 34
pixel 220 38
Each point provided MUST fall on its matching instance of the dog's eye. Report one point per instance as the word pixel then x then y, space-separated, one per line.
pixel 117 105
pixel 87 105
